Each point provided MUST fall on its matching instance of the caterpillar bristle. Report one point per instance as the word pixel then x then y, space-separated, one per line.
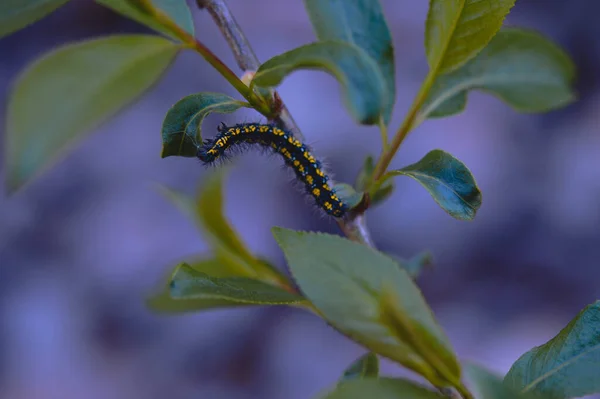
pixel 296 155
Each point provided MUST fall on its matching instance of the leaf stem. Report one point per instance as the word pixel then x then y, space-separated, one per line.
pixel 407 125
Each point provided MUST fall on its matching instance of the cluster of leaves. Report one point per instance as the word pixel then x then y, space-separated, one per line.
pixel 363 293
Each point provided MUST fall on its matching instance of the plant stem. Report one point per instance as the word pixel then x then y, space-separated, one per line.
pixel 354 226
pixel 244 55
pixel 464 392
pixel 405 128
pixel 193 43
pixel 384 135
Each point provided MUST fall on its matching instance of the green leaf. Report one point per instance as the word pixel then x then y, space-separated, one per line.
pixel 182 126
pixel 348 194
pixel 346 282
pixel 365 93
pixel 381 388
pixel 486 385
pixel 163 302
pixel 378 194
pixel 362 23
pixel 182 201
pixel 568 365
pixel 229 248
pixel 17 14
pixel 224 238
pixel 72 90
pixel 415 265
pixel 207 212
pixel 176 10
pixel 449 182
pixel 365 174
pixel 443 368
pixel 364 367
pixel 456 30
pixel 521 67
pixel 198 285
pixel 219 232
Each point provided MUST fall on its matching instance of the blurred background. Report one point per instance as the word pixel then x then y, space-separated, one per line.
pixel 83 245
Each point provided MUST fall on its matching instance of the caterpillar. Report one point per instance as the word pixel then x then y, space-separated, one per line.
pixel 296 155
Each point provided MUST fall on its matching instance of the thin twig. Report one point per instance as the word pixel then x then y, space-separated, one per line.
pixel 242 51
pixel 353 226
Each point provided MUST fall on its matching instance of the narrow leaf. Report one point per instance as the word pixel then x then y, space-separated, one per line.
pixel 362 23
pixel 348 194
pixel 198 285
pixel 182 126
pixel 72 90
pixel 456 30
pixel 415 265
pixel 163 302
pixel 345 281
pixel 365 93
pixel 568 365
pixel 209 209
pixel 364 367
pixel 381 388
pixel 176 10
pixel 17 14
pixel 449 182
pixel 486 385
pixel 228 246
pixel 521 67
pixel 379 194
pixel 224 238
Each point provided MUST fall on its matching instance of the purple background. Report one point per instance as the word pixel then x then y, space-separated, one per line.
pixel 82 245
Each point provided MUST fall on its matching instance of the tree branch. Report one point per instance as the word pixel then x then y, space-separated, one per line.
pixel 354 225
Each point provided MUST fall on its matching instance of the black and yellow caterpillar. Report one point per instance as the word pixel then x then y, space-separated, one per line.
pixel 295 154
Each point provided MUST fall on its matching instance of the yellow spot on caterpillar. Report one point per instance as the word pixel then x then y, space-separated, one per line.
pixel 301 169
pixel 238 131
pixel 309 157
pixel 309 179
pixel 252 128
pixel 328 205
pixel 316 192
pixel 278 132
pixel 319 172
pixel 212 151
pixel 326 187
pixel 296 162
pixel 297 143
pixel 334 197
pixel 264 129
